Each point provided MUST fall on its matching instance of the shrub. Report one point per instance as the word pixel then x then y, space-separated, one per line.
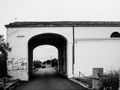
pixel 111 81
pixel 4 48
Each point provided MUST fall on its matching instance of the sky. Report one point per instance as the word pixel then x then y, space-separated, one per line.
pixel 58 10
pixel 45 52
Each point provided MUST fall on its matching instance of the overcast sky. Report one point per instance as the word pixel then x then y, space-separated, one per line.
pixel 60 10
pixel 45 52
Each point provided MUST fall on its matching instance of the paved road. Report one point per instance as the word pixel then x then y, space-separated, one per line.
pixel 49 81
pixel 45 71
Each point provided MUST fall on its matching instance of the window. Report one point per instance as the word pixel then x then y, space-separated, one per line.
pixel 115 35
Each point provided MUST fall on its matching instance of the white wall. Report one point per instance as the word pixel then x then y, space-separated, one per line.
pixel 94 48
pixel 94 32
pixel 20 44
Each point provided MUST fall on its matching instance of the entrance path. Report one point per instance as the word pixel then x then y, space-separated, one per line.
pixel 49 82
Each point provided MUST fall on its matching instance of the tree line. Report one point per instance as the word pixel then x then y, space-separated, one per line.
pixel 39 64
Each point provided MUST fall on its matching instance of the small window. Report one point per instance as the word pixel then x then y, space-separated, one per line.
pixel 115 35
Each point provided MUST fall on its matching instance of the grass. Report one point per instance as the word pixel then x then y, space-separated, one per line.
pixel 86 81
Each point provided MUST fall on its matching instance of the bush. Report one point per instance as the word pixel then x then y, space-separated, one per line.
pixel 37 64
pixel 111 81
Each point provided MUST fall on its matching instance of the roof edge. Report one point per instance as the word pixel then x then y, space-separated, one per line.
pixel 64 24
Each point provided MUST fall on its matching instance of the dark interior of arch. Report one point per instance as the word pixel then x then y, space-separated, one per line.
pixel 49 39
pixel 115 35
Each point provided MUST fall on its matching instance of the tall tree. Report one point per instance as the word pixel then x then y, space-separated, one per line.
pixel 4 49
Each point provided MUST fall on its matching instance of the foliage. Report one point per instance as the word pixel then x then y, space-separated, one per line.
pixel 111 80
pixel 54 62
pixel 48 61
pixel 3 45
pixel 4 48
pixel 37 64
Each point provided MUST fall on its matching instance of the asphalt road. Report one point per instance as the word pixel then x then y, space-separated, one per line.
pixel 47 80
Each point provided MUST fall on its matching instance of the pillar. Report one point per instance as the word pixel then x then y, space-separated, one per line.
pixel 69 60
pixel 96 82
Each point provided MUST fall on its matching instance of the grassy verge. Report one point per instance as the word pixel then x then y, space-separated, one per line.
pixel 85 81
pixel 110 81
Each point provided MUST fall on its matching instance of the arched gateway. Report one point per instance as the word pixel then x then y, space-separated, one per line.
pixel 81 45
pixel 56 40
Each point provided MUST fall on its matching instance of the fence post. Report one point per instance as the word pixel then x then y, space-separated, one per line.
pixel 97 84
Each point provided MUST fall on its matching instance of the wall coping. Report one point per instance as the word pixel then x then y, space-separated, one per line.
pixel 64 24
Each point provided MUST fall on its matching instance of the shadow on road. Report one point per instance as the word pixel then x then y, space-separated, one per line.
pixel 48 79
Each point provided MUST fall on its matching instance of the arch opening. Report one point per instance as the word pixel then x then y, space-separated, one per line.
pixel 45 60
pixel 56 40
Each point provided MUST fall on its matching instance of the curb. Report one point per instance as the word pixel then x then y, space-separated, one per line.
pixel 80 83
pixel 12 84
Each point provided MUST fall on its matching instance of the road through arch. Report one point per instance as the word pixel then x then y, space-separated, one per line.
pixel 56 40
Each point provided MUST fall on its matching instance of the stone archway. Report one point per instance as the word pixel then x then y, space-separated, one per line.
pixel 56 40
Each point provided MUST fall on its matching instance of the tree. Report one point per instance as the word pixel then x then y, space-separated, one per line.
pixel 54 62
pixel 48 61
pixel 37 64
pixel 4 49
pixel 4 45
